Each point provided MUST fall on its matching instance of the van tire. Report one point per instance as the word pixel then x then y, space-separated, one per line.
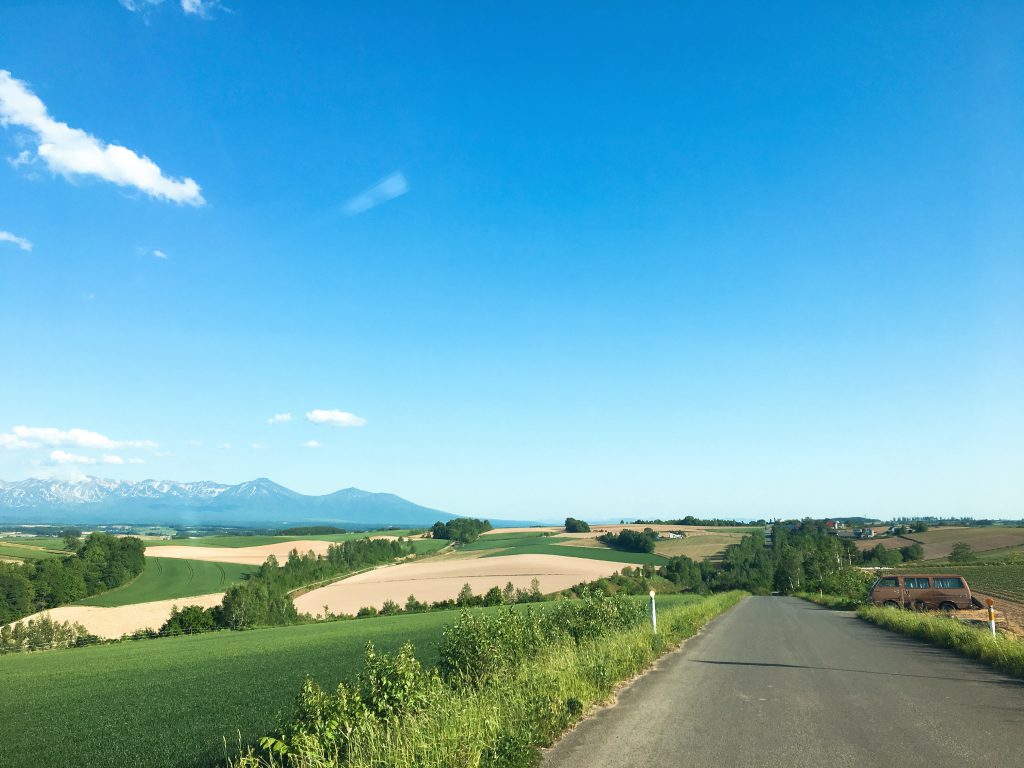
pixel 919 605
pixel 891 604
pixel 948 607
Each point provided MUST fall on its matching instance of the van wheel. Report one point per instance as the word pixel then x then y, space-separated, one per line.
pixel 947 607
pixel 919 605
pixel 891 604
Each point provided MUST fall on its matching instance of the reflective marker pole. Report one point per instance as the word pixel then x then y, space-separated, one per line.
pixel 654 614
pixel 991 614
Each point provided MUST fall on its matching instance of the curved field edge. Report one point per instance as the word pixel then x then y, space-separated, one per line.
pixel 1002 652
pixel 167 578
pixel 174 701
pixel 515 714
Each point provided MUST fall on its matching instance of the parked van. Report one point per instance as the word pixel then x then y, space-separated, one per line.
pixel 942 591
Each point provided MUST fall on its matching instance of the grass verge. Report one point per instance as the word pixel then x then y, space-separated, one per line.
pixel 835 602
pixel 498 723
pixel 1003 652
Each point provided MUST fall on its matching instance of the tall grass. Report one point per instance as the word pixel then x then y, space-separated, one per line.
pixel 1003 652
pixel 835 602
pixel 497 719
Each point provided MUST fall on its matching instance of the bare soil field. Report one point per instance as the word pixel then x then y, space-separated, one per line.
pixel 125 619
pixel 442 579
pixel 245 555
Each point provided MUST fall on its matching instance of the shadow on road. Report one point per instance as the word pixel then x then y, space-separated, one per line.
pixel 1004 682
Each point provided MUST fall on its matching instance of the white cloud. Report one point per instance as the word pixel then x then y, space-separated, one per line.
pixel 78 438
pixel 21 242
pixel 121 460
pixel 279 418
pixel 63 457
pixel 386 189
pixel 73 152
pixel 312 444
pixel 335 418
pixel 159 254
pixel 258 446
pixel 8 440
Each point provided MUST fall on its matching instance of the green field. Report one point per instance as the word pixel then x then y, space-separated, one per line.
pixel 28 553
pixel 167 578
pixel 426 546
pixel 498 545
pixel 590 553
pixel 170 702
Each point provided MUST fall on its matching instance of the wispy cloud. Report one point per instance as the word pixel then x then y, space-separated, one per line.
pixel 312 444
pixel 335 418
pixel 258 446
pixel 386 189
pixel 199 8
pixel 73 152
pixel 157 253
pixel 21 242
pixel 51 437
pixel 279 418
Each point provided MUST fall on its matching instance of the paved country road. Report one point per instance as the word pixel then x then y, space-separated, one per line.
pixel 781 682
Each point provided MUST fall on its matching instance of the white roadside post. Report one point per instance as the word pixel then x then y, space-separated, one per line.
pixel 991 615
pixel 654 615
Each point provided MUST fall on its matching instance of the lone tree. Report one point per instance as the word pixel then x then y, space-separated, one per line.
pixel 962 553
pixel 572 525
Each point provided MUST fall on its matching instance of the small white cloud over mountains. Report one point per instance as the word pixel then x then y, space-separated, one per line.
pixel 335 418
pixel 64 457
pixel 279 418
pixel 386 189
pixel 21 242
pixel 72 152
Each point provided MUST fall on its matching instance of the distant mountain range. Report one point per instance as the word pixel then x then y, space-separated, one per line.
pixel 259 502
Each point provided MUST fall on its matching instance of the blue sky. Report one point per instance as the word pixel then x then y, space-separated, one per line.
pixel 626 261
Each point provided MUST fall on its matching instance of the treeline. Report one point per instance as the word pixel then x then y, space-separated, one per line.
pixel 465 530
pixel 629 540
pixel 572 525
pixel 97 563
pixel 691 520
pixel 263 599
pixel 311 530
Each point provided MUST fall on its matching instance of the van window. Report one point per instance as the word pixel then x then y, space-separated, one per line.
pixel 888 581
pixel 949 583
pixel 912 582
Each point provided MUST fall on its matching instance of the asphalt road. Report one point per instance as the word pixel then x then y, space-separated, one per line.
pixel 781 682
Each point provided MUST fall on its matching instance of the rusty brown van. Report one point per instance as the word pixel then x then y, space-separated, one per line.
pixel 922 591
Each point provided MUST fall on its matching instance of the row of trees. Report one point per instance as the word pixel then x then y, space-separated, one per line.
pixel 691 520
pixel 98 563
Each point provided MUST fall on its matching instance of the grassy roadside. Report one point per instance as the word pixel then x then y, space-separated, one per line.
pixel 1003 652
pixel 498 721
pixel 835 602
